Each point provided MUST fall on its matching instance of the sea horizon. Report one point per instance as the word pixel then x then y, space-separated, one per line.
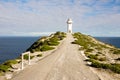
pixel 16 45
pixel 12 47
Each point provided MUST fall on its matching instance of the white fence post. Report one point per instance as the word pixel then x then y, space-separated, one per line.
pixel 29 58
pixel 22 61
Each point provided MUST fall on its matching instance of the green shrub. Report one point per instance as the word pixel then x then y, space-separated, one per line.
pixel 99 65
pixel 96 54
pixel 96 64
pixel 105 66
pixel 4 68
pixel 52 40
pixel 46 48
pixel 98 47
pixel 102 59
pixel 116 51
pixel 27 57
pixel 91 56
pixel 32 50
pixel 89 50
pixel 10 62
pixel 53 43
pixel 43 37
pixel 58 33
pixel 117 65
pixel 113 67
pixel 39 55
pixel 99 52
pixel 87 42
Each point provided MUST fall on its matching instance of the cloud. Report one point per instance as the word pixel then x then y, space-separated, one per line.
pixel 89 16
pixel 31 33
pixel 13 33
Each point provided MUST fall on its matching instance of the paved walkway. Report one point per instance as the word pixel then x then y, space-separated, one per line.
pixel 65 63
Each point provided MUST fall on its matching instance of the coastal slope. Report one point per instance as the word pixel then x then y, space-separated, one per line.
pixel 64 63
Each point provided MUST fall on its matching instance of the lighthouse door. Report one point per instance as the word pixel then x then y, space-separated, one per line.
pixel 70 31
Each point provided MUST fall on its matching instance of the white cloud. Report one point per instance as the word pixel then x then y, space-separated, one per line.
pixel 13 33
pixel 51 15
pixel 32 33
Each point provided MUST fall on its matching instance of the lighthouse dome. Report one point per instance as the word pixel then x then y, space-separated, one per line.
pixel 69 21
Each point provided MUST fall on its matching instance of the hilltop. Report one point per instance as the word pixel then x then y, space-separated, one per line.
pixel 62 56
pixel 104 57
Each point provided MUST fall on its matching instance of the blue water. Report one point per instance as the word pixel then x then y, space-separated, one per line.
pixel 115 41
pixel 12 47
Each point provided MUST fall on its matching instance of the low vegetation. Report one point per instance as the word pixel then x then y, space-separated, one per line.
pixel 26 57
pixel 6 65
pixel 47 43
pixel 96 51
pixel 113 67
pixel 46 48
pixel 91 56
pixel 116 51
pixel 43 44
pixel 4 68
pixel 88 42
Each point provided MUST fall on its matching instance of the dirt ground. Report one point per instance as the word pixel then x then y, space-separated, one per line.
pixel 65 63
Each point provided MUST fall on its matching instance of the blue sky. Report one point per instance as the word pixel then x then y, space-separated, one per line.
pixel 37 17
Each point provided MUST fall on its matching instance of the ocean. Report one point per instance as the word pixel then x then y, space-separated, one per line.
pixel 115 41
pixel 12 47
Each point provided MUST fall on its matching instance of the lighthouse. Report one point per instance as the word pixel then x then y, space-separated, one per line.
pixel 69 25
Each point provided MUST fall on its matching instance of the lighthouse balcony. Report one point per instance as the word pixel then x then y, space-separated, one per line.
pixel 70 22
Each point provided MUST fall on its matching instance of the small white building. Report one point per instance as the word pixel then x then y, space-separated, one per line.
pixel 69 25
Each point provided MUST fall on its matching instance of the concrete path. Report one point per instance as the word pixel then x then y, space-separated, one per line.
pixel 65 63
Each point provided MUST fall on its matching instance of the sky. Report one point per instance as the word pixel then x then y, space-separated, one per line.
pixel 38 17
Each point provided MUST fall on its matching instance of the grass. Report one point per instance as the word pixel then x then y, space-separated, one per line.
pixel 4 68
pixel 6 65
pixel 113 67
pixel 89 50
pixel 91 56
pixel 117 51
pixel 26 57
pixel 10 62
pixel 42 44
pixel 46 48
pixel 87 42
pixel 84 41
pixel 53 43
pixel 102 59
pixel 52 40
pixel 98 62
pixel 99 52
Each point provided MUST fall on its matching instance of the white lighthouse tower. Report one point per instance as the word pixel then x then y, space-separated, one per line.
pixel 69 25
